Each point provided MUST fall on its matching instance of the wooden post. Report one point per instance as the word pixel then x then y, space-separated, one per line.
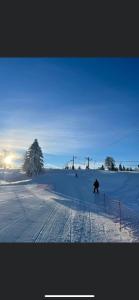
pixel 104 202
pixel 70 223
pixel 120 215
pixel 90 225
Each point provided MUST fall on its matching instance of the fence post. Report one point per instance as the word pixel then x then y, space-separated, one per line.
pixel 120 215
pixel 70 224
pixel 104 202
pixel 90 224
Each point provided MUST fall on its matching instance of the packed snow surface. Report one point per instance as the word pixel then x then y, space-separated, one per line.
pixel 59 207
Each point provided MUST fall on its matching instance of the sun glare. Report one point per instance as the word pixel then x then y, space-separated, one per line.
pixel 8 160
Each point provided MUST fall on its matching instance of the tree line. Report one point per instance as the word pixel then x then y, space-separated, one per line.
pixel 33 162
pixel 110 164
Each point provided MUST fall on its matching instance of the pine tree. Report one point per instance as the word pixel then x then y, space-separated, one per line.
pixel 33 163
pixel 120 167
pixel 123 168
pixel 102 168
pixel 112 166
pixel 110 163
pixel 25 166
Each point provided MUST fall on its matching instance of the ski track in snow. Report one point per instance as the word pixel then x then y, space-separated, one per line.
pixel 57 207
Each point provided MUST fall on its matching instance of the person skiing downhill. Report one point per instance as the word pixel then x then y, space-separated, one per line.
pixel 96 186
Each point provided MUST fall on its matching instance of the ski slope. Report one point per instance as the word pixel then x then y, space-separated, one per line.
pixel 58 207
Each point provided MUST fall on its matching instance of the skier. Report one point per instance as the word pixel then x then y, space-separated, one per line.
pixel 76 175
pixel 96 186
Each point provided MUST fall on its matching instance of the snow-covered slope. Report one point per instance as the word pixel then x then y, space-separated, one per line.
pixel 58 207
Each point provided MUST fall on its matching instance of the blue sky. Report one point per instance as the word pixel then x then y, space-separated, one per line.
pixel 81 106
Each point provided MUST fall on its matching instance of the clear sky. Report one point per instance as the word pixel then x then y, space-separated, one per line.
pixel 81 106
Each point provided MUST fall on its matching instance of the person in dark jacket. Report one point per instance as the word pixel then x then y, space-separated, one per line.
pixel 96 186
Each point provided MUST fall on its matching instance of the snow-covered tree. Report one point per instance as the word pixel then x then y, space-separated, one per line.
pixel 33 162
pixel 26 164
pixel 110 163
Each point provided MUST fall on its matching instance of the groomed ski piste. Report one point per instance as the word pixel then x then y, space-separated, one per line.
pixel 57 207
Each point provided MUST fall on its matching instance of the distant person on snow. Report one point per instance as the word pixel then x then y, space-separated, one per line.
pixel 96 186
pixel 76 175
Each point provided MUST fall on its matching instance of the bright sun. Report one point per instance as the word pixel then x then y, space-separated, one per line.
pixel 8 160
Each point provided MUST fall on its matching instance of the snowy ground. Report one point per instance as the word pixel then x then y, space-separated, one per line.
pixel 58 207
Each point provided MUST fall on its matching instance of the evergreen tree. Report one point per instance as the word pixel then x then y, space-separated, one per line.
pixel 33 162
pixel 120 167
pixel 66 167
pixel 115 169
pixel 123 168
pixel 112 166
pixel 25 166
pixel 102 168
pixel 110 163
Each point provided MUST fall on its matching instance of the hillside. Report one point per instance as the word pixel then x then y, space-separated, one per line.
pixel 58 207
